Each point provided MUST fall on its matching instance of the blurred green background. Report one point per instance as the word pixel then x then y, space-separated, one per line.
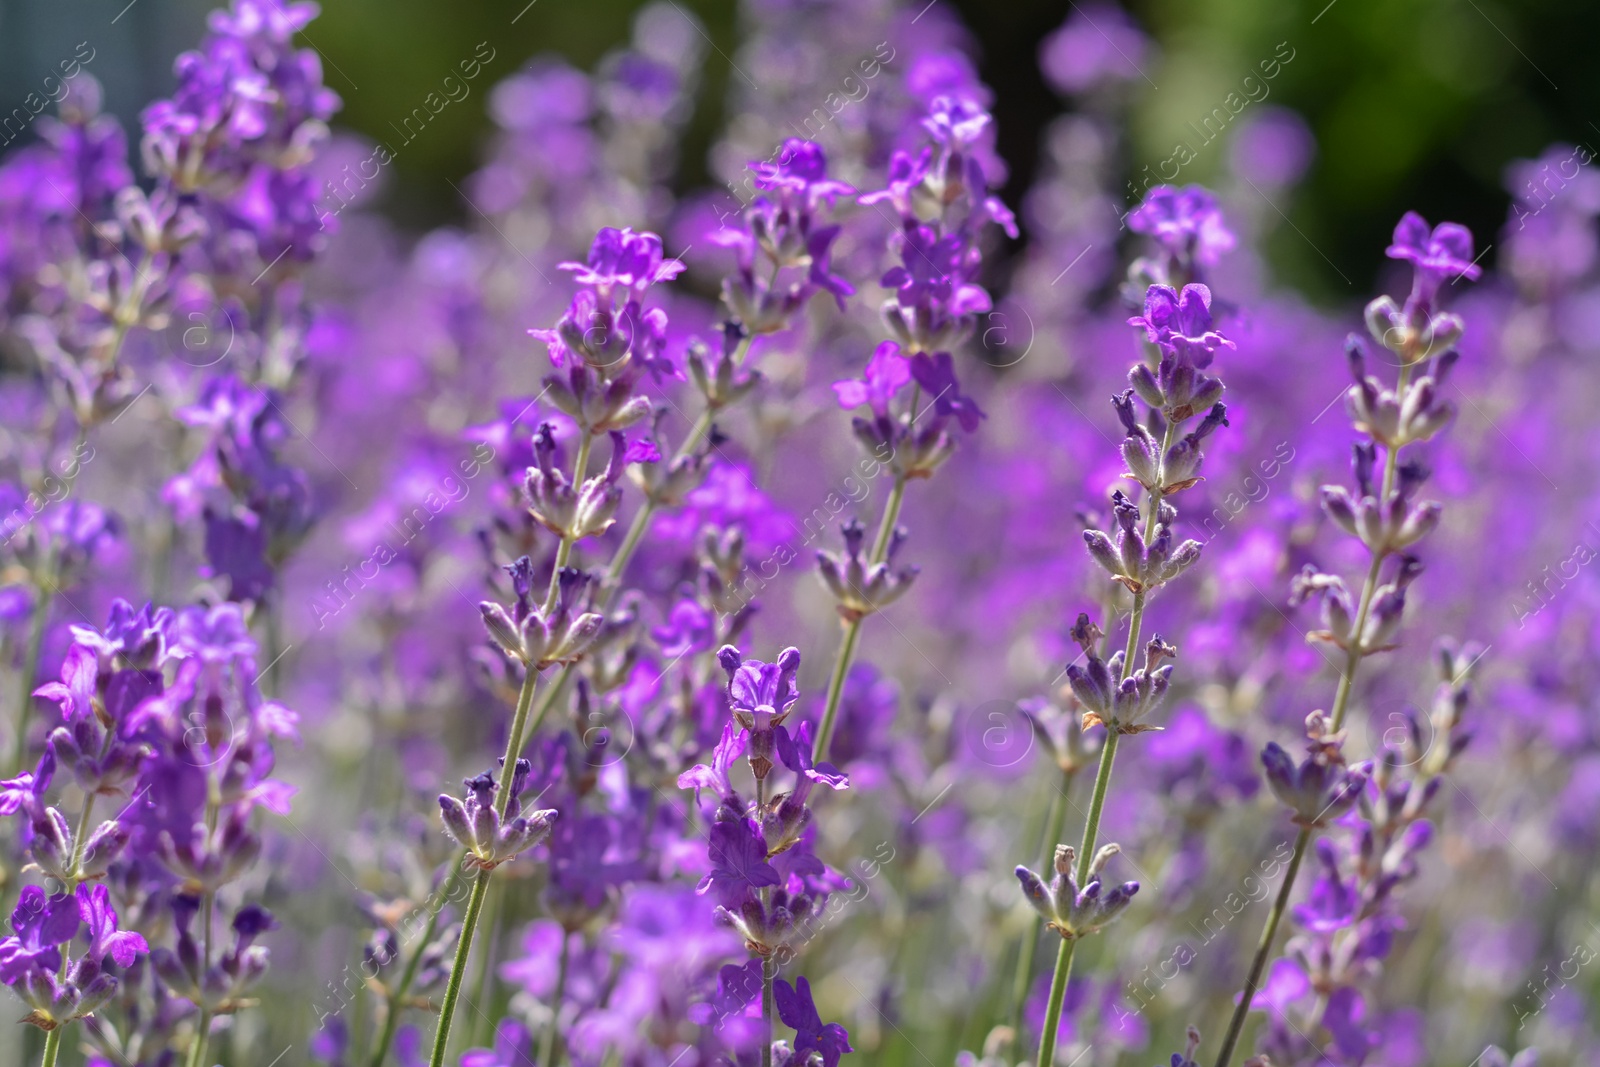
pixel 1415 103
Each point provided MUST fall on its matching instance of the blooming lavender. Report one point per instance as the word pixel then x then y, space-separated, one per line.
pixel 940 197
pixel 769 885
pixel 160 711
pixel 334 446
pixel 1163 455
pixel 602 346
pixel 1386 517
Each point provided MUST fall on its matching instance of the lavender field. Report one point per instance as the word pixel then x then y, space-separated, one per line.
pixel 849 610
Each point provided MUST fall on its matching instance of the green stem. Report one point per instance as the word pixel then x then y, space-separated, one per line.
pixel 396 999
pixel 469 923
pixel 1341 707
pixel 1091 832
pixel 1058 993
pixel 1253 982
pixel 82 836
pixel 452 991
pixel 52 1045
pixel 841 670
pixel 769 1026
pixel 274 634
pixel 494 912
pixel 1055 825
pixel 891 516
pixel 514 739
pixel 852 630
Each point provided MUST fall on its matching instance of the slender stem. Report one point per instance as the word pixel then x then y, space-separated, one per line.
pixel 841 670
pixel 396 998
pixel 1054 826
pixel 494 912
pixel 452 991
pixel 469 923
pixel 52 1045
pixel 547 1046
pixel 514 739
pixel 1253 981
pixel 1102 780
pixel 1097 803
pixel 81 839
pixel 891 516
pixel 769 1027
pixel 1091 832
pixel 852 630
pixel 1341 707
pixel 1058 993
pixel 274 636
pixel 548 698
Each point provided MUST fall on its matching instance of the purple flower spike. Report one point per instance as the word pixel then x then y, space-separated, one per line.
pixel 786 230
pixel 800 170
pixel 1181 323
pixel 937 375
pixel 40 924
pixel 716 777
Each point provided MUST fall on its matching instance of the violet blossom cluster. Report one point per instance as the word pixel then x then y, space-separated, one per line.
pixel 1388 519
pixel 504 511
pixel 1163 454
pixel 160 712
pixel 768 882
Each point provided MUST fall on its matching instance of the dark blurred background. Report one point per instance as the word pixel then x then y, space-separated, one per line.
pixel 1415 103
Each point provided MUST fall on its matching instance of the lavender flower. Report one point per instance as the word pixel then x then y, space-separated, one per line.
pixel 321 436
pixel 1188 226
pixel 535 638
pixel 1068 909
pixel 786 230
pixel 1383 516
pixel 489 836
pixel 31 960
pixel 761 695
pixel 811 1037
